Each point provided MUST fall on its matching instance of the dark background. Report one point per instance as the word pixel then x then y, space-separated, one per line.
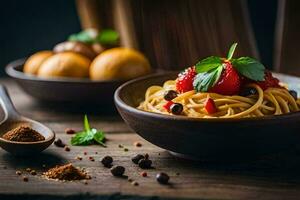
pixel 32 25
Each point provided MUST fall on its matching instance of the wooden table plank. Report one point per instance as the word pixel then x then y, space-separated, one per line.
pixel 270 178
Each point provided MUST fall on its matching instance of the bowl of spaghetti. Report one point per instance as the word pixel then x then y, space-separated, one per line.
pixel 214 110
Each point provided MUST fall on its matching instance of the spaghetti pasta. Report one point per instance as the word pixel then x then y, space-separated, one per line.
pixel 272 101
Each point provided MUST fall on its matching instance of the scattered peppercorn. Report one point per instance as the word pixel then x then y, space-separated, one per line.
pixel 67 148
pixel 91 159
pixel 177 174
pixel 25 179
pixel 294 94
pixel 134 183
pixel 33 172
pixel 96 152
pixel 117 170
pixel 78 158
pixel 120 146
pixel 69 131
pixel 162 178
pixel 145 163
pixel 125 149
pixel 137 144
pixel 176 108
pixel 85 182
pixel 170 95
pixel 144 174
pixel 146 156
pixel 130 179
pixel 88 177
pixel 85 153
pixel 137 158
pixel 18 173
pixel 59 143
pixel 107 161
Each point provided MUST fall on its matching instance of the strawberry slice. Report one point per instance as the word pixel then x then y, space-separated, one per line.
pixel 184 82
pixel 210 106
pixel 229 82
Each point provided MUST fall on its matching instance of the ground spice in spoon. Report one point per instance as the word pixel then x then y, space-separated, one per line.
pixel 23 134
pixel 66 172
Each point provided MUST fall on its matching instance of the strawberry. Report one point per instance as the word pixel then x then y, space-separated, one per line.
pixel 210 106
pixel 184 82
pixel 229 82
pixel 270 81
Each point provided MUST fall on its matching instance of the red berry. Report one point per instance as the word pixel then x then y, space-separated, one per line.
pixel 210 106
pixel 168 105
pixel 269 81
pixel 229 82
pixel 184 82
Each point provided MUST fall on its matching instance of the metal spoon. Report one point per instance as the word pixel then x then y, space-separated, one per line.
pixel 12 120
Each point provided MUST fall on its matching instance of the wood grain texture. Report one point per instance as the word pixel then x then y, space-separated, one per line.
pixel 175 34
pixel 286 53
pixel 275 177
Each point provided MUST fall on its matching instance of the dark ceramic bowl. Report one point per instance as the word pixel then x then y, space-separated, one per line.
pixel 75 90
pixel 205 139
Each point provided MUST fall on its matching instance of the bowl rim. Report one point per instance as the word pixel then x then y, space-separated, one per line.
pixel 121 104
pixel 11 71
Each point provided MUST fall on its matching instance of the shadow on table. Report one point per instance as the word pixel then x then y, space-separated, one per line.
pixel 282 167
pixel 39 161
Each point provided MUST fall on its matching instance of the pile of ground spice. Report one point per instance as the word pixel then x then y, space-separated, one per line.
pixel 66 172
pixel 23 134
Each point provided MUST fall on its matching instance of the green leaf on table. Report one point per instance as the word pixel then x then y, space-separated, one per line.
pixel 82 138
pixel 249 68
pixel 99 138
pixel 86 123
pixel 88 135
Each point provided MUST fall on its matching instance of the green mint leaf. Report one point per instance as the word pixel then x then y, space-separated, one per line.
pixel 107 37
pixel 86 123
pixel 208 64
pixel 99 137
pixel 82 138
pixel 231 51
pixel 204 81
pixel 249 68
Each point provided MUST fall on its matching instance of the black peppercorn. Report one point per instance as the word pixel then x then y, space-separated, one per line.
pixel 59 143
pixel 162 178
pixel 169 95
pixel 117 170
pixel 137 158
pixel 145 163
pixel 107 161
pixel 247 91
pixel 294 94
pixel 176 108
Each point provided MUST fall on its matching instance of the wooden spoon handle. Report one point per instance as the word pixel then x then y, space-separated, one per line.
pixel 7 105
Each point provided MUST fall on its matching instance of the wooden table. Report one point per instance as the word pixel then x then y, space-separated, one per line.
pixel 276 177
